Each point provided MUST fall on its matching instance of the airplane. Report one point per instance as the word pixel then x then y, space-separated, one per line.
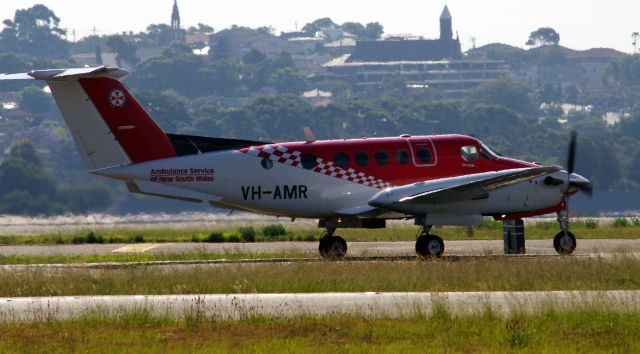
pixel 344 183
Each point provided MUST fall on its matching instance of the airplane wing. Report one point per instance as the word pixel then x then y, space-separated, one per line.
pixel 456 189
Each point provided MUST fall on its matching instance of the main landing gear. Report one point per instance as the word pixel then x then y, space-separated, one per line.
pixel 428 245
pixel 332 247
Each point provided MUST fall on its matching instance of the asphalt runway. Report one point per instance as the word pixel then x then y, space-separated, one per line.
pixel 239 306
pixel 356 249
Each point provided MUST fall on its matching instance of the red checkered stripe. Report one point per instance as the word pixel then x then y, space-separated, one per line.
pixel 281 154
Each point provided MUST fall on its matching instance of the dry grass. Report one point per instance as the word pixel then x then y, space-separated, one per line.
pixel 570 331
pixel 495 274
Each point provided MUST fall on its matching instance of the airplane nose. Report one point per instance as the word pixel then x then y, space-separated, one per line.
pixel 580 183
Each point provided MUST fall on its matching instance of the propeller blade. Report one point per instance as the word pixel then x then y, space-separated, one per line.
pixel 572 152
pixel 580 183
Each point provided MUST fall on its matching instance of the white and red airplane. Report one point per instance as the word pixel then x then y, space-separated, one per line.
pixel 350 183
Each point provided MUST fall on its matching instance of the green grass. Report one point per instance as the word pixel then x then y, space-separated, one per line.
pixel 491 274
pixel 149 257
pixel 566 331
pixel 491 230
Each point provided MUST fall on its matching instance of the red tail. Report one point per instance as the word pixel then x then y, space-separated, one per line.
pixel 140 137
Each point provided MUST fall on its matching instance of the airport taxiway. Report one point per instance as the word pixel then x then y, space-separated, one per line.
pixel 356 249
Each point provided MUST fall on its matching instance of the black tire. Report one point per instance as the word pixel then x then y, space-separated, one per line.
pixel 564 243
pixel 429 246
pixel 334 247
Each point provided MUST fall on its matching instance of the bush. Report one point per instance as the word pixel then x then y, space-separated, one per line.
pixel 248 234
pixel 232 236
pixel 273 231
pixel 591 223
pixel 78 240
pixel 491 224
pixel 620 222
pixel 138 238
pixel 93 238
pixel 215 237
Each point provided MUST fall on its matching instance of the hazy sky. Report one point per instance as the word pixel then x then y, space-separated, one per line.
pixel 581 24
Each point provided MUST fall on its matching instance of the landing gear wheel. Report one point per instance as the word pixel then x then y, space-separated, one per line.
pixel 564 243
pixel 429 246
pixel 333 247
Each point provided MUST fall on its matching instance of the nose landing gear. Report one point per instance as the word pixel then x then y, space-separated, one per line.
pixel 565 241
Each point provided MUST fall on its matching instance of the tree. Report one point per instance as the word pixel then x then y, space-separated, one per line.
pixel 512 94
pixel 35 31
pixel 202 28
pixel 125 48
pixel 254 57
pixel 543 36
pixel 289 80
pixel 374 31
pixel 371 31
pixel 33 99
pixel 318 25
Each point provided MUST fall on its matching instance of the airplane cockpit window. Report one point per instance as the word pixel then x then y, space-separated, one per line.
pixel 469 153
pixel 402 156
pixel 382 157
pixel 494 155
pixel 308 161
pixel 423 155
pixel 362 159
pixel 342 160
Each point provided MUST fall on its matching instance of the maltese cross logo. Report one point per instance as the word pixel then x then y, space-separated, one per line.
pixel 117 99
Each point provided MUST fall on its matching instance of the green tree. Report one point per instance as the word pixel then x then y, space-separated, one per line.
pixel 35 31
pixel 289 80
pixel 543 36
pixel 254 57
pixel 373 31
pixel 318 25
pixel 33 99
pixel 125 49
pixel 512 94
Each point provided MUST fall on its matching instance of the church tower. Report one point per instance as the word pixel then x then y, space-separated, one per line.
pixel 175 17
pixel 176 33
pixel 446 28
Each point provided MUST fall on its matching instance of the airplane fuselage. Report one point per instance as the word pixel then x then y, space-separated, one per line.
pixel 324 179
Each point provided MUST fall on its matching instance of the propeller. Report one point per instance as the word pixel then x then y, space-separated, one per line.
pixel 575 180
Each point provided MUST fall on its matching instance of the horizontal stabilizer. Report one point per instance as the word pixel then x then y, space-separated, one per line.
pixel 68 74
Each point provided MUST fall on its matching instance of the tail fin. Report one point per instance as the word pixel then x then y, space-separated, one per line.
pixel 108 125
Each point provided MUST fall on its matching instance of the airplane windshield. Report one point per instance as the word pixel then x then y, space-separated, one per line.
pixel 493 154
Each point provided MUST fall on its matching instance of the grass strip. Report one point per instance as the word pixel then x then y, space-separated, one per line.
pixel 494 274
pixel 491 230
pixel 148 257
pixel 551 330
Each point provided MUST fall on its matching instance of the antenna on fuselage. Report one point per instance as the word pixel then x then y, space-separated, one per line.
pixel 308 135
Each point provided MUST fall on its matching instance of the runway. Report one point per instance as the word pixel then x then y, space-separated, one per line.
pixel 356 249
pixel 240 306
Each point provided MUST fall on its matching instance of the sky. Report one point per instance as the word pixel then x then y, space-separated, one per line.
pixel 581 24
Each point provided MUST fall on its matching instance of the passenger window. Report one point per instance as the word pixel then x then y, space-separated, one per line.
pixel 402 156
pixel 266 163
pixel 308 161
pixel 382 157
pixel 423 155
pixel 469 153
pixel 342 160
pixel 484 155
pixel 362 159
